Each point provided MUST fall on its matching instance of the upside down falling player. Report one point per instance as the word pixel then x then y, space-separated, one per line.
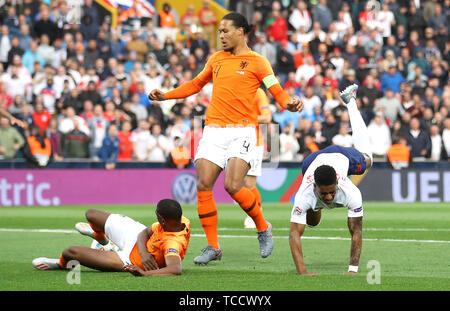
pixel 229 135
pixel 143 251
pixel 325 185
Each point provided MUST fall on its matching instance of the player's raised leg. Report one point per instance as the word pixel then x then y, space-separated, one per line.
pixel 96 226
pixel 234 175
pixel 360 134
pixel 207 173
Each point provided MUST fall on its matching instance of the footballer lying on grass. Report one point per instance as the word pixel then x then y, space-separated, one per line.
pixel 156 250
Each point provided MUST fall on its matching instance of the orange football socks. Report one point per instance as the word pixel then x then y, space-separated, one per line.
pixel 207 212
pixel 257 195
pixel 99 235
pixel 250 204
pixel 62 262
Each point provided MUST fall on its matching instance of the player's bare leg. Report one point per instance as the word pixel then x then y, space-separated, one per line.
pixel 207 173
pixel 234 175
pixel 91 258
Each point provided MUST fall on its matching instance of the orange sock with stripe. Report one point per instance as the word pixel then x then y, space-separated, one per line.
pixel 257 195
pixel 99 235
pixel 207 212
pixel 62 262
pixel 248 202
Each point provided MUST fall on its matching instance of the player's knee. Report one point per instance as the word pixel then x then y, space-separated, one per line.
pixel 232 187
pixel 90 213
pixel 204 186
pixel 70 253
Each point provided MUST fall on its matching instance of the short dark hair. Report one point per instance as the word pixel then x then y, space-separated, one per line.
pixel 239 20
pixel 325 175
pixel 169 209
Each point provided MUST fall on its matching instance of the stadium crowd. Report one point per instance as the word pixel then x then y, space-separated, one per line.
pixel 82 87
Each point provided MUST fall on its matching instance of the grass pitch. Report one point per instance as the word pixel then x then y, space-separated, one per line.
pixel 411 242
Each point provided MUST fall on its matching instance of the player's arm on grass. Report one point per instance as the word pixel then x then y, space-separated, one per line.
pixel 188 88
pixel 295 242
pixel 173 267
pixel 355 228
pixel 147 260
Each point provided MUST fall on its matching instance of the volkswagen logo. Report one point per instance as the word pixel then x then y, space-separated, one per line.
pixel 184 188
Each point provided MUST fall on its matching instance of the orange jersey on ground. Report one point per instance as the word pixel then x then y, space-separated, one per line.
pixel 235 82
pixel 263 106
pixel 162 244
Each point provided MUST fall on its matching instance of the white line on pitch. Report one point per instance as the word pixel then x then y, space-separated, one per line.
pixel 236 236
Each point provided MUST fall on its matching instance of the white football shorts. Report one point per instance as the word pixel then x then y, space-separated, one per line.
pixel 123 231
pixel 219 144
pixel 256 161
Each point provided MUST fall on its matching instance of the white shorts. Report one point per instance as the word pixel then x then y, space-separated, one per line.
pixel 219 144
pixel 256 161
pixel 123 231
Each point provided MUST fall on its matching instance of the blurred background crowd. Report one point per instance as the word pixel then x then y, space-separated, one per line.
pixel 81 87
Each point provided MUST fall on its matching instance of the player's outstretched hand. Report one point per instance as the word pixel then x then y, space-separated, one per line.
pixel 134 270
pixel 156 95
pixel 148 262
pixel 295 105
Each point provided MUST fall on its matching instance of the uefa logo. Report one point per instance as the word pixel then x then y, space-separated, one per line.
pixel 184 188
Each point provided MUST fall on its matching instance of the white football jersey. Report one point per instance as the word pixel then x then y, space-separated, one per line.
pixel 347 194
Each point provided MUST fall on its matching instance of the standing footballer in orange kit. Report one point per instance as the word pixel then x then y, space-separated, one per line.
pixel 229 136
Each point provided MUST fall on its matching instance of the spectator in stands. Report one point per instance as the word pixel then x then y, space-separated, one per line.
pixel 380 136
pixel 55 138
pixel 98 126
pixel 125 144
pixel 38 149
pixel 437 152
pixel 166 16
pixel 179 156
pixel 141 141
pixel 322 14
pixel 109 150
pixel 418 141
pixel 276 27
pixel 265 48
pixel 5 44
pixel 446 138
pixel 390 107
pixel 288 144
pixel 208 21
pixel 159 145
pixel 399 154
pixel 67 123
pixel 343 138
pixel 285 62
pixel 76 142
pixel 45 26
pixel 10 140
pixel 301 17
pixel 438 19
pixel 137 45
pixel 41 117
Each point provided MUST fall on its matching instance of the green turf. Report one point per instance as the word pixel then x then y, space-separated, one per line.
pixel 408 240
